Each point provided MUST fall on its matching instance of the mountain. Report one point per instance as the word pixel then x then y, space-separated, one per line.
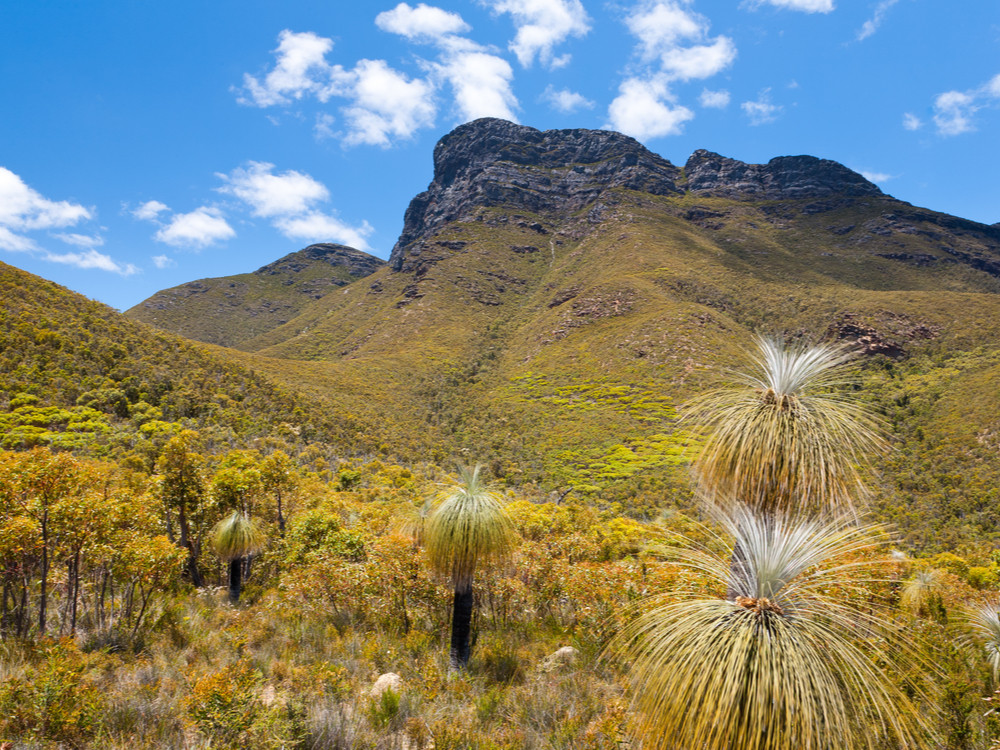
pixel 76 374
pixel 231 309
pixel 554 295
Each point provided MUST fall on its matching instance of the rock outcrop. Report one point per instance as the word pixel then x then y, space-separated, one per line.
pixel 491 162
pixel 355 262
pixel 782 178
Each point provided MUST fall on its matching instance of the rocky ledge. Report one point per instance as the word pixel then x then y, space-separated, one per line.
pixel 491 162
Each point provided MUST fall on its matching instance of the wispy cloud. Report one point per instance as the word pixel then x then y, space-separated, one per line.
pixel 761 111
pixel 806 6
pixel 872 24
pixel 150 210
pixel 23 209
pixel 714 99
pixel 163 261
pixel 566 101
pixel 911 121
pixel 954 111
pixel 91 259
pixel 878 177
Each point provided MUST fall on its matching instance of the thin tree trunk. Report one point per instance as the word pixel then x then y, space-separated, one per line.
pixel 461 628
pixel 192 562
pixel 281 517
pixel 76 591
pixel 235 580
pixel 44 593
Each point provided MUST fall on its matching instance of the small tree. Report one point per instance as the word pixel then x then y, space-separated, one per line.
pixel 234 538
pixel 468 525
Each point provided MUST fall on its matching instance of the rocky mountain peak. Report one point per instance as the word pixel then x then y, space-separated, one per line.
pixel 490 162
pixel 784 177
pixel 356 262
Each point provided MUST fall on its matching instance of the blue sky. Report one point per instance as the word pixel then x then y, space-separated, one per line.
pixel 147 144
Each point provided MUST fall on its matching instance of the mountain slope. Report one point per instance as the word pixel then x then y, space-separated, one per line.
pixel 76 374
pixel 554 295
pixel 232 309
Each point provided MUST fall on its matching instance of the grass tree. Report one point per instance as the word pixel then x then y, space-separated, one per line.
pixel 982 623
pixel 234 538
pixel 784 435
pixel 467 527
pixel 788 664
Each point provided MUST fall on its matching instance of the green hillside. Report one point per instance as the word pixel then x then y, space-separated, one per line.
pixel 75 374
pixel 550 323
pixel 231 309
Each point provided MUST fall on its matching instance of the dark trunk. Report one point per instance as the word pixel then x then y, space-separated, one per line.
pixel 75 582
pixel 281 517
pixel 235 580
pixel 192 562
pixel 43 596
pixel 461 628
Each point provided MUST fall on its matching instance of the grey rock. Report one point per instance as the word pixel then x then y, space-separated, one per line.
pixel 491 162
pixel 782 178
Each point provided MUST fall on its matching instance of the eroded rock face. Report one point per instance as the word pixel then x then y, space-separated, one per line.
pixel 492 162
pixel 782 178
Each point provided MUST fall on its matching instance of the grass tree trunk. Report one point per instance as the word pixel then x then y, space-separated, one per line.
pixel 461 628
pixel 235 580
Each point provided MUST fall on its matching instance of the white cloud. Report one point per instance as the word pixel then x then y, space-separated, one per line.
pixel 481 83
pixel 150 210
pixel 807 6
pixel 163 261
pixel 319 227
pixel 424 22
pixel 700 61
pixel 323 129
pixel 91 259
pixel 301 69
pixel 646 109
pixel 22 208
pixel 200 228
pixel 565 100
pixel 953 111
pixel 541 25
pixel 660 26
pixel 714 99
pixel 80 240
pixel 386 104
pixel 15 242
pixel 911 121
pixel 761 111
pixel 872 25
pixel 876 176
pixel 270 194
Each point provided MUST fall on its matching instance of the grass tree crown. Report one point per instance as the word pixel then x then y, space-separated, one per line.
pixel 982 622
pixel 784 436
pixel 237 536
pixel 468 525
pixel 786 664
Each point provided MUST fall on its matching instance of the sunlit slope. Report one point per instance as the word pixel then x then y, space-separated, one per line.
pixel 231 309
pixel 75 374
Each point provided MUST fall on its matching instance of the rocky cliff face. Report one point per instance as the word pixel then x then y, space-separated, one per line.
pixel 782 178
pixel 492 162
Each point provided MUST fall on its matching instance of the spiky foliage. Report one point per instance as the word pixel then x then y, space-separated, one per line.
pixel 788 664
pixel 468 525
pixel 922 590
pixel 783 437
pixel 982 622
pixel 237 536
